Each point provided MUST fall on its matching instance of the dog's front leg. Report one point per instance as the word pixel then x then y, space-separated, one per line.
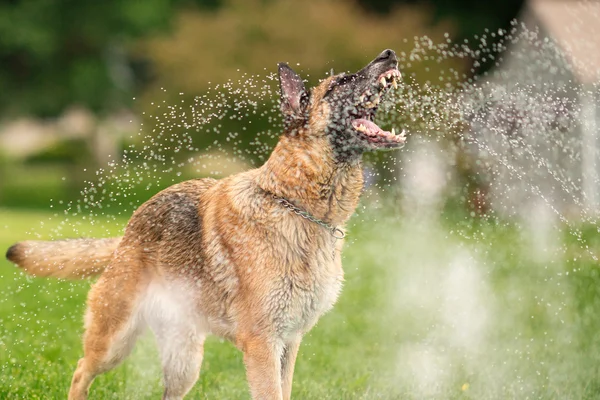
pixel 288 360
pixel 263 368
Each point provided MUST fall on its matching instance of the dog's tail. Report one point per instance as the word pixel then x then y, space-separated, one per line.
pixel 73 258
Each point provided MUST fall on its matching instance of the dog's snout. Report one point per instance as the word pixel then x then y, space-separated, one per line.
pixel 384 61
pixel 386 55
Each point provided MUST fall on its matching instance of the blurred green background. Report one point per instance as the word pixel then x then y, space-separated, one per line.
pixel 443 298
pixel 74 74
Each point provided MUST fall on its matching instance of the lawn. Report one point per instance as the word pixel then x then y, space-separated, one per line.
pixel 460 309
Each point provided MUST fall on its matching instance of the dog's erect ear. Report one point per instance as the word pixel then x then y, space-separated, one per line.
pixel 294 97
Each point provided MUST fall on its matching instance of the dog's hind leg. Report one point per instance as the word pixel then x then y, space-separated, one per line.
pixel 181 353
pixel 180 332
pixel 113 323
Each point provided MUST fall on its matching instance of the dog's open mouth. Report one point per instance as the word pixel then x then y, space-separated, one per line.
pixel 367 107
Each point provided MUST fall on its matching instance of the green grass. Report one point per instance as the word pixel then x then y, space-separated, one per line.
pixel 460 310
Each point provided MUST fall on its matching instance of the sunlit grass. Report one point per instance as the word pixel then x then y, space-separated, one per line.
pixel 427 311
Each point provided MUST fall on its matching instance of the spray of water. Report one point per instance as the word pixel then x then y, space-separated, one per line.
pixel 485 298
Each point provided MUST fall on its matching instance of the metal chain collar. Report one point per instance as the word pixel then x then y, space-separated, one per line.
pixel 334 230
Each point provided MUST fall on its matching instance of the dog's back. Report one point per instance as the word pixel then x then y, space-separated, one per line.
pixel 254 257
pixel 171 215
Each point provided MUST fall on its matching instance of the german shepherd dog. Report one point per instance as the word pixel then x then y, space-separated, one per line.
pixel 254 258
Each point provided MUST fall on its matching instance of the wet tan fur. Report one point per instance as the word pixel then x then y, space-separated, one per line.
pixel 67 259
pixel 217 257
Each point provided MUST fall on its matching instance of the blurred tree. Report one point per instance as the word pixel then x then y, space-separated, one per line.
pixel 472 17
pixel 252 36
pixel 249 37
pixel 55 53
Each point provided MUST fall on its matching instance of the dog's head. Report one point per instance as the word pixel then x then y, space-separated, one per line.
pixel 342 107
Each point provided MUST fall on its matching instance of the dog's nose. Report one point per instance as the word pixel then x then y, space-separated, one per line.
pixel 385 55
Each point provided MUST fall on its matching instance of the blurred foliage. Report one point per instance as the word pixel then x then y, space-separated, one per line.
pixel 70 151
pixel 254 35
pixel 249 37
pixel 33 186
pixel 38 185
pixel 55 53
pixel 472 17
pixel 58 52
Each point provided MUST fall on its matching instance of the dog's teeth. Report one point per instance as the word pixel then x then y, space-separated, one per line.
pixel 393 131
pixel 382 81
pixel 362 98
pixel 361 128
pixel 394 84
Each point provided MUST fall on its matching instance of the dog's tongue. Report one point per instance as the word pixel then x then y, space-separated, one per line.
pixel 372 130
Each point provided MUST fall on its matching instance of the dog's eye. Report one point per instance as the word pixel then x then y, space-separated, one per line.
pixel 345 79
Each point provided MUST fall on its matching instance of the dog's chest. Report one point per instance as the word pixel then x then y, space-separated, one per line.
pixel 303 295
pixel 321 297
